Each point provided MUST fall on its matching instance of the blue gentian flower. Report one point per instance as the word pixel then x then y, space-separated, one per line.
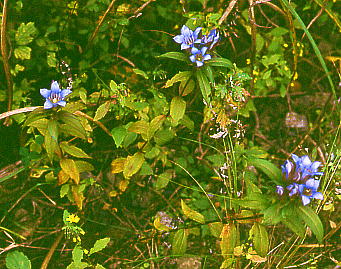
pixel 293 189
pixel 199 56
pixel 55 96
pixel 309 191
pixel 212 37
pixel 287 168
pixel 279 190
pixel 308 168
pixel 188 38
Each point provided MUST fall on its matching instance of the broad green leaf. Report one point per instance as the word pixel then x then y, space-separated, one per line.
pixel 99 245
pixel 77 254
pixel 175 55
pixel 268 168
pixel 72 125
pixel 69 167
pixel 113 85
pixel 64 190
pixel 17 260
pixel 83 166
pixel 163 136
pixel 192 214
pixel 272 214
pixel 22 53
pixel 253 201
pixel 163 180
pixel 308 215
pixel 101 111
pixel 260 239
pixel 133 164
pixel 79 265
pixel 186 87
pixel 51 146
pixel 204 85
pixel 220 62
pixel 118 134
pixel 25 33
pixel 146 170
pixel 141 73
pixel 177 108
pixel 179 243
pixel 73 150
pixel 181 76
pixel 52 127
pixel 140 127
pixel 290 219
pixel 229 238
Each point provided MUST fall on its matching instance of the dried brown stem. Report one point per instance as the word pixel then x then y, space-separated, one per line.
pixel 227 11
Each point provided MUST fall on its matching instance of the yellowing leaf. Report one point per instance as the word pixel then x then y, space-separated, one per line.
pixel 77 196
pixel 62 177
pixel 155 125
pixel 73 150
pixel 181 76
pixel 260 239
pixel 117 165
pixel 101 111
pixel 140 127
pixel 215 228
pixel 133 164
pixel 69 167
pixel 229 238
pixel 192 214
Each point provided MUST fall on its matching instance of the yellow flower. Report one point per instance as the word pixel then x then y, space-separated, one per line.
pixel 286 68
pixel 85 251
pixel 248 61
pixel 285 45
pixel 295 76
pixel 72 218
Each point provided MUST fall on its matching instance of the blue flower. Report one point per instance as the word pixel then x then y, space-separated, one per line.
pixel 199 56
pixel 188 38
pixel 307 167
pixel 279 190
pixel 212 37
pixel 309 191
pixel 55 96
pixel 287 168
pixel 293 189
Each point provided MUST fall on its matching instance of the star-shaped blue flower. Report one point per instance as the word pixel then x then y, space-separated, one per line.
pixel 306 166
pixel 199 56
pixel 212 37
pixel 55 96
pixel 309 191
pixel 188 38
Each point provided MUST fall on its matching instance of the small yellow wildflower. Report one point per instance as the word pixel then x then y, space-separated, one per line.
pixel 292 84
pixel 295 76
pixel 85 251
pixel 82 232
pixel 285 45
pixel 255 72
pixel 72 218
pixel 286 68
pixel 298 44
pixel 248 61
pixel 74 239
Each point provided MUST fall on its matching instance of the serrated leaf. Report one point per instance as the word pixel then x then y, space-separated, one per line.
pixel 204 85
pixel 179 243
pixel 101 111
pixel 69 167
pixel 25 33
pixel 175 55
pixel 140 127
pixel 163 180
pixel 133 164
pixel 260 239
pixel 223 62
pixel 181 76
pixel 118 134
pixel 17 260
pixel 192 214
pixel 229 239
pixel 268 168
pixel 177 108
pixel 22 53
pixel 309 216
pixel 155 125
pixel 99 245
pixel 73 150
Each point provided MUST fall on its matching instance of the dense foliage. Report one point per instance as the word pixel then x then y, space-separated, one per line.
pixel 170 134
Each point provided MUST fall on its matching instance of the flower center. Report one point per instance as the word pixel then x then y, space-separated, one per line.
pixel 55 98
pixel 307 192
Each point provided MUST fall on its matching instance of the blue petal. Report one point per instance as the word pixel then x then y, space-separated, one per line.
pixel 192 58
pixel 45 93
pixel 194 50
pixel 305 200
pixel 197 31
pixel 48 104
pixel 55 86
pixel 207 57
pixel 199 63
pixel 185 46
pixel 295 158
pixel 305 160
pixel 315 165
pixel 203 50
pixel 178 39
pixel 318 195
pixel 61 103
pixel 185 31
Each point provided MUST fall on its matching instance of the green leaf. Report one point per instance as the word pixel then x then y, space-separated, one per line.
pixel 181 76
pixel 141 73
pixel 155 125
pixel 118 134
pixel 99 245
pixel 98 266
pixel 308 215
pixel 192 214
pixel 22 53
pixel 175 55
pixel 215 228
pixel 163 136
pixel 77 254
pixel 268 168
pixel 260 239
pixel 204 85
pixel 163 180
pixel 72 125
pixel 69 167
pixel 229 239
pixel 290 219
pixel 101 111
pixel 179 243
pixel 73 150
pixel 133 164
pixel 25 33
pixel 177 108
pixel 17 260
pixel 51 59
pixel 140 127
pixel 220 62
